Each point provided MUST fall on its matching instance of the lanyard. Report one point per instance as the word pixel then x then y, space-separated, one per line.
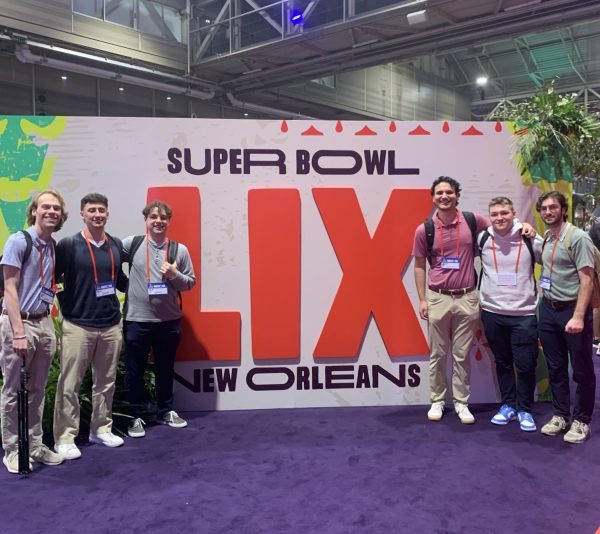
pixel 42 253
pixel 148 255
pixel 457 238
pixel 553 249
pixel 518 254
pixel 112 257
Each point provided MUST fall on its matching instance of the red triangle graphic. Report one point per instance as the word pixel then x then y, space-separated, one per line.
pixel 365 130
pixel 419 130
pixel 311 131
pixel 472 131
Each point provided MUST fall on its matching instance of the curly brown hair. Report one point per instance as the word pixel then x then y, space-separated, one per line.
pixel 34 204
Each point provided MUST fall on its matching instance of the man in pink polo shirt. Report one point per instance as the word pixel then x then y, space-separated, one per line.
pixel 451 303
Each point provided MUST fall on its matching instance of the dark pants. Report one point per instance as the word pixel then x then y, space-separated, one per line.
pixel 514 342
pixel 558 346
pixel 163 339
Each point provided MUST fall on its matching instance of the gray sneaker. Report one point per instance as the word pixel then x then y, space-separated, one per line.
pixel 44 455
pixel 578 433
pixel 136 428
pixel 557 425
pixel 173 420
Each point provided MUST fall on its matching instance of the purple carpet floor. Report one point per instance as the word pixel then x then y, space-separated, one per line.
pixel 329 471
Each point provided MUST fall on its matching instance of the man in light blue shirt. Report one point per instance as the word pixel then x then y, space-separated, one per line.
pixel 26 328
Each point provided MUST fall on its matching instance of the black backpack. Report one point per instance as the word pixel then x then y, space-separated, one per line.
pixel 28 247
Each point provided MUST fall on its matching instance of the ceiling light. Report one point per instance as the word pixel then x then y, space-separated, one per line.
pixel 63 77
pixel 416 17
pixel 121 89
pixel 481 81
pixel 168 98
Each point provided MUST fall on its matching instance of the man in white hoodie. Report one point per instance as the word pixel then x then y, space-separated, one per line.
pixel 508 301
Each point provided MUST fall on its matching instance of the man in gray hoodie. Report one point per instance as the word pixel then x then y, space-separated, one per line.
pixel 508 301
pixel 159 269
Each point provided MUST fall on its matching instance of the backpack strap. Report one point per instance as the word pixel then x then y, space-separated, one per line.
pixel 485 235
pixel 135 244
pixel 472 224
pixel 429 236
pixel 28 245
pixel 529 245
pixel 172 251
pixel 171 257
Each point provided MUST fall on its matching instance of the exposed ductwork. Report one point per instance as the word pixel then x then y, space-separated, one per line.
pixel 264 109
pixel 25 55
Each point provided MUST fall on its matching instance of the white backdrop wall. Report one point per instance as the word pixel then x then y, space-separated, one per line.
pixel 289 259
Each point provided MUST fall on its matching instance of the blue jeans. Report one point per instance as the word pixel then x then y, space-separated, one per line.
pixel 163 338
pixel 558 347
pixel 514 342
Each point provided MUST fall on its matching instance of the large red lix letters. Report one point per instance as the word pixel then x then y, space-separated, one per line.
pixel 371 283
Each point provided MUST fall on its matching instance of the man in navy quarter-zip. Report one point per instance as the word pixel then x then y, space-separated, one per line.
pixel 91 263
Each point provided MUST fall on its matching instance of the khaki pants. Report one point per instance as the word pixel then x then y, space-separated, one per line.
pixel 41 348
pixel 453 322
pixel 81 347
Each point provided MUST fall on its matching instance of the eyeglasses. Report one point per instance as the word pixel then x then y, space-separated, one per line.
pixel 553 207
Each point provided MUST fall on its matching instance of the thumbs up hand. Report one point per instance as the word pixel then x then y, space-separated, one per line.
pixel 169 270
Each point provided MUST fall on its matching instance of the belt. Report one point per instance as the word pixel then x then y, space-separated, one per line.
pixel 559 304
pixel 28 316
pixel 453 292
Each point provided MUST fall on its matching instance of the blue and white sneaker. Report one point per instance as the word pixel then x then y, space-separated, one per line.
pixel 505 415
pixel 526 422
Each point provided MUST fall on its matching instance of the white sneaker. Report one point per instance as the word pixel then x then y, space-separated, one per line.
pixel 436 411
pixel 45 456
pixel 464 414
pixel 107 438
pixel 68 451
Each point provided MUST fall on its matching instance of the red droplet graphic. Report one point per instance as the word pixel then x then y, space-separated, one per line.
pixel 498 127
pixel 446 127
pixel 284 126
pixel 338 127
pixel 392 127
